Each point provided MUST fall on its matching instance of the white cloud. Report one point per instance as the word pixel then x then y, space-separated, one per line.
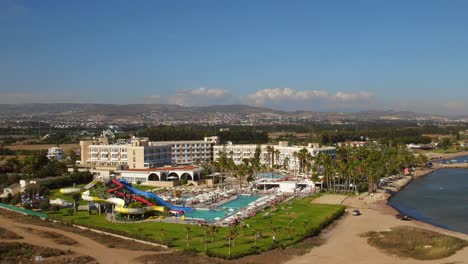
pixel 199 96
pixel 288 95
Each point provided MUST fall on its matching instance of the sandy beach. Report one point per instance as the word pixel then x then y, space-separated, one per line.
pixel 344 243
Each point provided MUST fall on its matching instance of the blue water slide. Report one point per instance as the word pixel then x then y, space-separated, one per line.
pixel 148 195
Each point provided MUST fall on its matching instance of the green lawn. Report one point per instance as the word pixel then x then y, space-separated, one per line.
pixel 304 218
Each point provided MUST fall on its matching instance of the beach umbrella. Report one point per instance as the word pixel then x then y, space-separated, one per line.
pixel 172 177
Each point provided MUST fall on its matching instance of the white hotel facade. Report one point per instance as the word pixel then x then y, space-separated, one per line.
pixel 286 152
pixel 190 151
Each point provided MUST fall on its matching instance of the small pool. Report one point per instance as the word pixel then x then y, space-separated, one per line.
pixel 210 215
pixel 268 175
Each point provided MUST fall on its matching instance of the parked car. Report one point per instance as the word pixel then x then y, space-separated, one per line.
pixel 356 212
pixel 403 217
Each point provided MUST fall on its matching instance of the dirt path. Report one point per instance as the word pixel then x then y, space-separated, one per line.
pixel 85 246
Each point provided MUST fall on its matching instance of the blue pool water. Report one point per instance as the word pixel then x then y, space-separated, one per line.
pixel 269 176
pixel 223 210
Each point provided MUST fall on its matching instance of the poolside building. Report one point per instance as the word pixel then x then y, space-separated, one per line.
pixel 161 176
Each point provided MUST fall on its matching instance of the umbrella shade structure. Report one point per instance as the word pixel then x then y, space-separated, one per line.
pixel 172 177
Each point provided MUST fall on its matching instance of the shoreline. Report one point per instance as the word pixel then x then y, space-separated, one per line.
pixel 442 156
pixel 376 216
pixel 418 174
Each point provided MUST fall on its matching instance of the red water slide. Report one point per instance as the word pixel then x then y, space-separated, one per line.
pixel 119 186
pixel 121 194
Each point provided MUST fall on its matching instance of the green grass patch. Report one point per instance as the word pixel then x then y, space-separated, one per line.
pixel 417 243
pixel 293 221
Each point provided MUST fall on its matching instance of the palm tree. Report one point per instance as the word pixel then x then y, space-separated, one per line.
pixel 230 235
pixel 257 234
pixel 290 229
pixel 276 154
pixel 162 233
pixel 295 155
pixel 243 226
pixel 286 164
pixel 205 238
pixel 305 223
pixel 213 231
pixel 271 150
pixel 188 230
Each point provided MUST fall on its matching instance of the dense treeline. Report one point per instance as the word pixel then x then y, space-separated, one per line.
pixel 236 134
pixel 36 165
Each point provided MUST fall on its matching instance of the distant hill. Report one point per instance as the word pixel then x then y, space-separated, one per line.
pixel 175 114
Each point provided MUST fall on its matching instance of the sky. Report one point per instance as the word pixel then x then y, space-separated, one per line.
pixel 349 55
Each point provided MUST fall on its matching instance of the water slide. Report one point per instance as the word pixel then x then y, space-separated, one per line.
pixel 119 204
pixel 150 195
pixel 73 190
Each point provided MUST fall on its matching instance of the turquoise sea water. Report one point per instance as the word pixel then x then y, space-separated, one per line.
pixel 223 210
pixel 455 160
pixel 440 198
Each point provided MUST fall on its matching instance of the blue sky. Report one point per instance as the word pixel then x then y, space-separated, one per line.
pixel 311 55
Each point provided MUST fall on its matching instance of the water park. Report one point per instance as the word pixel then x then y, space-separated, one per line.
pixel 121 201
pixel 224 222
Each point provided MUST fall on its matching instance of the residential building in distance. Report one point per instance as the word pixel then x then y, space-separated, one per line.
pixel 55 153
pixel 190 151
pixel 284 156
pixel 353 144
pixel 135 153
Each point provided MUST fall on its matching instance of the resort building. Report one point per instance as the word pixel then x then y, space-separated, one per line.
pixel 284 154
pixel 163 176
pixel 353 144
pixel 136 153
pixel 190 151
pixel 55 153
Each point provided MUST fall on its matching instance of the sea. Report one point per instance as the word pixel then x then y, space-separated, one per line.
pixel 440 199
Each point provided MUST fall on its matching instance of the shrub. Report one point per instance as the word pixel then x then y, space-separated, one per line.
pixel 71 211
pixel 44 205
pixel 55 207
pixel 16 199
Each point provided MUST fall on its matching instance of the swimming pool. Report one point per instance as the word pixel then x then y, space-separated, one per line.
pixel 210 215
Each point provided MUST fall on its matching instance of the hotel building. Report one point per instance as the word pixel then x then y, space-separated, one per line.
pixel 190 151
pixel 286 153
pixel 136 153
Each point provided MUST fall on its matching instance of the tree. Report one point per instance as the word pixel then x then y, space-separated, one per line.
pixel 76 197
pixel 188 230
pixel 257 235
pixel 72 156
pixel 13 164
pixel 213 231
pixel 290 229
pixel 230 236
pixel 243 226
pixel 205 237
